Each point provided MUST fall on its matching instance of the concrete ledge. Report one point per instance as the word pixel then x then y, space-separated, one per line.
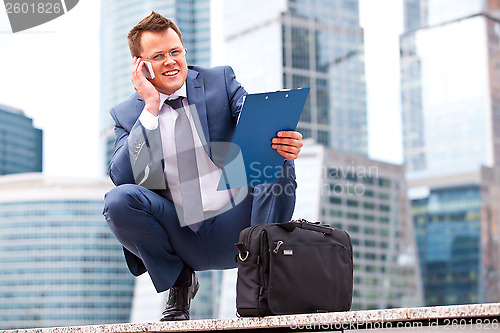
pixel 487 315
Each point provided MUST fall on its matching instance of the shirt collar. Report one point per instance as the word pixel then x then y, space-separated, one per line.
pixel 179 93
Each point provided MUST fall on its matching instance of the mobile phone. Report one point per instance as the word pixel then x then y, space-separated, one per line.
pixel 147 70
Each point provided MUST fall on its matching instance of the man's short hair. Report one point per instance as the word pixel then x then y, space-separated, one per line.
pixel 154 22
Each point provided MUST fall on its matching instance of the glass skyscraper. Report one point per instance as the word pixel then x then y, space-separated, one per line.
pixel 59 263
pixel 457 226
pixel 450 57
pixel 318 44
pixel 450 78
pixel 20 142
pixel 448 228
pixel 117 18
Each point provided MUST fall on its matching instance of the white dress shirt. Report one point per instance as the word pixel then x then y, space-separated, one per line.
pixel 210 174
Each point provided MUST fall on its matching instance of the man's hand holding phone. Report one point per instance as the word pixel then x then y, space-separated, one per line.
pixel 141 71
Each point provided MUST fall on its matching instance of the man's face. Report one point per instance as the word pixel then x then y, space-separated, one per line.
pixel 170 73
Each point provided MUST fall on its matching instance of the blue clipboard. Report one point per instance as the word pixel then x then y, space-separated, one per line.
pixel 263 115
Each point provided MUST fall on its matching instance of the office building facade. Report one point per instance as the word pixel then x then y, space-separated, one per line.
pixel 283 44
pixel 20 142
pixel 448 229
pixel 368 199
pixel 450 78
pixel 450 57
pixel 59 263
pixel 117 18
pixel 456 221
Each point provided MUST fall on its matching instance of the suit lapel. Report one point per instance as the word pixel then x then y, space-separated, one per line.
pixel 196 95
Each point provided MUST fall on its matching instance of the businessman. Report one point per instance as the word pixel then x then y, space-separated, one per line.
pixel 166 210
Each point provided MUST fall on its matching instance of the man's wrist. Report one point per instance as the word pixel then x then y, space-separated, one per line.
pixel 148 120
pixel 153 108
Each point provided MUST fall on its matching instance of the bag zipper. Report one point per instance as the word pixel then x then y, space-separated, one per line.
pixel 263 264
pixel 280 243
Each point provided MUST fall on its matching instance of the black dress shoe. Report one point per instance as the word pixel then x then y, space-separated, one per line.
pixel 179 300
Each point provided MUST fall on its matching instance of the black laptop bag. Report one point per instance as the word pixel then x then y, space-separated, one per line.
pixel 293 267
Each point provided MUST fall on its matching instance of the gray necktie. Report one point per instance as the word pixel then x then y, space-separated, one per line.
pixel 187 167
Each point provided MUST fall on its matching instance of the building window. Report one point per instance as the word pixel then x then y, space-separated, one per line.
pixel 335 200
pixel 352 203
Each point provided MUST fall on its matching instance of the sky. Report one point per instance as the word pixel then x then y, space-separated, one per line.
pixel 382 21
pixel 51 72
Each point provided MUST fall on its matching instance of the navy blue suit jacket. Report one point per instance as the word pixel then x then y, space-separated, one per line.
pixel 218 98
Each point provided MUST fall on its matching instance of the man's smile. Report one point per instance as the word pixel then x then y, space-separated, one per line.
pixel 171 73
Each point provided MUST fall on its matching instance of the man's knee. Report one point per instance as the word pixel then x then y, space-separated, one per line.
pixel 118 195
pixel 119 200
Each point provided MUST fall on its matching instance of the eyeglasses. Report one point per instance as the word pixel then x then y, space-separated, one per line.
pixel 174 54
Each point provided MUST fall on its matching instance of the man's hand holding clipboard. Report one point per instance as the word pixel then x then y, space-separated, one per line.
pixel 288 144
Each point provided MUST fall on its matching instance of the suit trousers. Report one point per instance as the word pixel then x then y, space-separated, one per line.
pixel 146 224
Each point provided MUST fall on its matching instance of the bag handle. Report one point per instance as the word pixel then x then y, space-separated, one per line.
pixel 304 224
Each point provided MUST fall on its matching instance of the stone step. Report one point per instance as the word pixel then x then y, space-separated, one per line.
pixel 474 317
